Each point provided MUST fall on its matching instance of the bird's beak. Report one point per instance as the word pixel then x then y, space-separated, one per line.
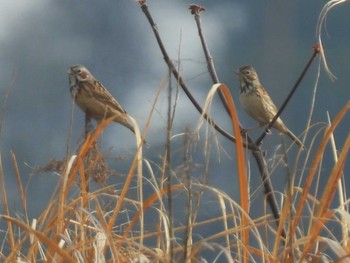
pixel 69 72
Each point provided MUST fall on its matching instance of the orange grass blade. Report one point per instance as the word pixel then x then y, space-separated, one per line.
pixel 90 139
pixel 84 150
pixel 315 164
pixel 284 216
pixel 130 175
pixel 332 183
pixel 241 168
pixel 51 244
pixel 20 186
pixel 148 203
pixel 6 207
pixel 323 213
pixel 123 194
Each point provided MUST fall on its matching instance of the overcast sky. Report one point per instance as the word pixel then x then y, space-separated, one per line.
pixel 40 39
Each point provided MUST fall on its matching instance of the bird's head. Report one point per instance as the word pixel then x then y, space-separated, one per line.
pixel 247 74
pixel 79 73
pixel 248 78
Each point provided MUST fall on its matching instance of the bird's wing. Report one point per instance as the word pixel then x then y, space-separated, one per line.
pixel 102 94
pixel 269 105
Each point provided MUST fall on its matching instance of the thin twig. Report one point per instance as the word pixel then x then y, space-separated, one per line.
pixel 181 82
pixel 256 150
pixel 4 103
pixel 70 129
pixel 196 10
pixel 168 169
pixel 316 49
pixel 268 189
pixel 189 222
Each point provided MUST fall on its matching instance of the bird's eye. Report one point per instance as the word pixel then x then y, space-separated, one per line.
pixel 247 72
pixel 79 71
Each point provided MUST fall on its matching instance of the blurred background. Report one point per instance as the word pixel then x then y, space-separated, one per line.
pixel 41 39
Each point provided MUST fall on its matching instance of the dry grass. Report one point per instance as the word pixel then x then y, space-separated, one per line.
pixel 78 226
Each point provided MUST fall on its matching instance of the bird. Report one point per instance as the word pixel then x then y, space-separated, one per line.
pixel 94 99
pixel 257 103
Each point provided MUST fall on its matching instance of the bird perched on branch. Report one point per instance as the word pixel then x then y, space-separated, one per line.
pixel 257 102
pixel 94 99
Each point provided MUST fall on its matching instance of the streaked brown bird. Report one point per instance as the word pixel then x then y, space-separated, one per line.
pixel 94 99
pixel 257 102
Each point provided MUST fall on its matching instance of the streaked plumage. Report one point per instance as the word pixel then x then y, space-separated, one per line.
pixel 257 102
pixel 94 99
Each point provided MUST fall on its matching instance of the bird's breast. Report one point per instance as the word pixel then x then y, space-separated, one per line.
pixel 254 106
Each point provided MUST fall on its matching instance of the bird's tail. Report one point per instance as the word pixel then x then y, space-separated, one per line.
pixel 295 139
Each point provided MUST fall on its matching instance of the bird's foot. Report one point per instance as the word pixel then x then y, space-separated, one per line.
pixel 243 131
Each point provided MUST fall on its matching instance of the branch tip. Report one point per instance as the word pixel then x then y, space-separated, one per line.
pixel 317 48
pixel 142 2
pixel 196 9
